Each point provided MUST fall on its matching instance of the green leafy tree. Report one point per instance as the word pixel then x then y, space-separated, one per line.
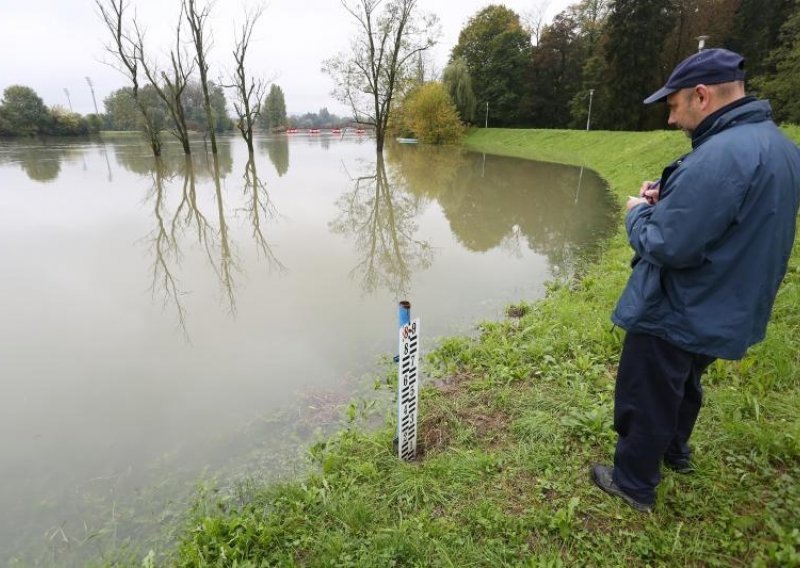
pixel 24 112
pixel 633 52
pixel 693 18
pixel 496 49
pixel 459 85
pixel 120 110
pixel 194 107
pixel 275 115
pixel 556 73
pixel 124 113
pixel 430 115
pixel 783 85
pixel 756 30
pixel 592 16
pixel 66 123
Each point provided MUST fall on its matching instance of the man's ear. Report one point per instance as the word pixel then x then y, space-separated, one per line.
pixel 703 95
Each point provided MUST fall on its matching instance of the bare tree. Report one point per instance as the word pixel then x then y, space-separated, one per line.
pixel 124 50
pixel 197 25
pixel 172 90
pixel 249 91
pixel 382 56
pixel 535 19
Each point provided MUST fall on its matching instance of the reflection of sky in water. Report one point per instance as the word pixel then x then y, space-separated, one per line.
pixel 287 272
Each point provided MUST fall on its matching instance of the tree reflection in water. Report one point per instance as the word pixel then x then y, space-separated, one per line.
pixel 380 216
pixel 164 245
pixel 559 211
pixel 40 159
pixel 260 208
pixel 277 148
pixel 172 227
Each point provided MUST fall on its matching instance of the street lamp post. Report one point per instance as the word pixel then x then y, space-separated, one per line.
pixel 589 117
pixel 486 125
pixel 91 88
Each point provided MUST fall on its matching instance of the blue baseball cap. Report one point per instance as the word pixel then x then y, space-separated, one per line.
pixel 707 67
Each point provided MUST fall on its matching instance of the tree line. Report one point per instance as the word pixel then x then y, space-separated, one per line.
pixel 511 70
pixel 23 113
pixel 506 70
pixel 619 51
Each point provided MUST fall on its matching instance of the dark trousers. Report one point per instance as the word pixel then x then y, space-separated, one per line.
pixel 656 403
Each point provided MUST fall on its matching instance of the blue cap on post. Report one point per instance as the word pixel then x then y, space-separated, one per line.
pixel 708 67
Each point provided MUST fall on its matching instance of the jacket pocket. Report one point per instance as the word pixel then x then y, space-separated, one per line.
pixel 643 300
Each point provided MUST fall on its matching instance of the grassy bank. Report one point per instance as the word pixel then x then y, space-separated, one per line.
pixel 510 423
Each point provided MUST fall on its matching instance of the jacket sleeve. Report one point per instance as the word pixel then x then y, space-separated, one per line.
pixel 699 203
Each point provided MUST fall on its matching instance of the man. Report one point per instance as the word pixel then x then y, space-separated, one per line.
pixel 712 239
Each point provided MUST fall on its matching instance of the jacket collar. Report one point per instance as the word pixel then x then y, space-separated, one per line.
pixel 745 110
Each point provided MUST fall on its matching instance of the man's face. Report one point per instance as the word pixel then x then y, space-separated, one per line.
pixel 684 111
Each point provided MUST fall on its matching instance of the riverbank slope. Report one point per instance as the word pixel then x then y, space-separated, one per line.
pixel 514 420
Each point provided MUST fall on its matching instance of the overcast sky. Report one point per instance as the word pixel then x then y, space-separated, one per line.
pixel 52 45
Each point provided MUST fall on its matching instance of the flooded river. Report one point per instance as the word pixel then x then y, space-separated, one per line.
pixel 166 321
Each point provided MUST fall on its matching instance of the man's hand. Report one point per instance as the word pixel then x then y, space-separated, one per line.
pixel 650 191
pixel 634 201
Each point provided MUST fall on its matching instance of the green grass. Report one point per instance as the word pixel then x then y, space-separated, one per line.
pixel 514 420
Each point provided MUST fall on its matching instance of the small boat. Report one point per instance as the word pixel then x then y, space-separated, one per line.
pixel 407 140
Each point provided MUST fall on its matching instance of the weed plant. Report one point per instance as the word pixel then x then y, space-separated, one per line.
pixel 510 422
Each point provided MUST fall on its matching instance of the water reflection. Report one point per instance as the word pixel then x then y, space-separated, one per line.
pixel 41 161
pixel 381 218
pixel 135 156
pixel 121 392
pixel 495 201
pixel 260 208
pixel 186 223
pixel 278 151
pixel 163 242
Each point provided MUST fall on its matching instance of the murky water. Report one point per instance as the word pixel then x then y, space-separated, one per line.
pixel 159 321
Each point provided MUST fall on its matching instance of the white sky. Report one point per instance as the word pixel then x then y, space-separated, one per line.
pixel 50 45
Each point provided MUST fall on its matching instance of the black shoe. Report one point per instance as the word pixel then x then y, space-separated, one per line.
pixel 601 475
pixel 683 466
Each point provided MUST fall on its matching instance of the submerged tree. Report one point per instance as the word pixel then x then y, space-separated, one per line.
pixel 172 88
pixel 124 50
pixel 197 25
pixel 249 91
pixel 382 57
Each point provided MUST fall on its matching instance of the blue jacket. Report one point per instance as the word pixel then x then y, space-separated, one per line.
pixel 710 255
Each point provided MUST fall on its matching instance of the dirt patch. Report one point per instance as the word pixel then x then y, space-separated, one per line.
pixel 460 409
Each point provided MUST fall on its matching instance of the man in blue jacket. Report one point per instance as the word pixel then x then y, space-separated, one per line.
pixel 712 239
